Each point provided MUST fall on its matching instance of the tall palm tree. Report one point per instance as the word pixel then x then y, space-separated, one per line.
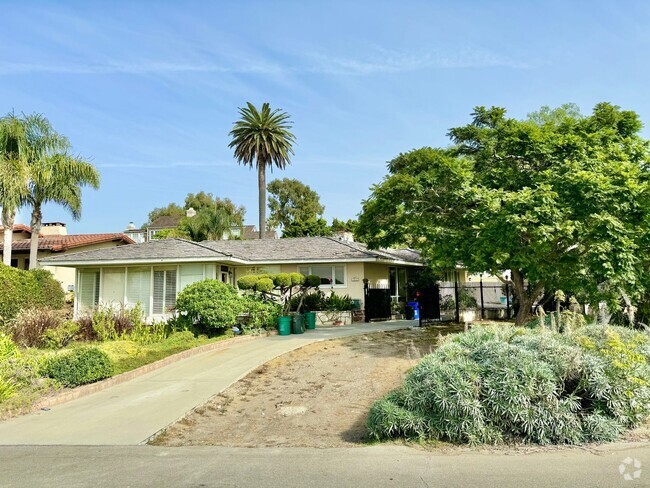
pixel 14 176
pixel 56 176
pixel 262 139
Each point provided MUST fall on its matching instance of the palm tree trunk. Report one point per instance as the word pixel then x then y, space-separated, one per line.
pixel 37 220
pixel 8 218
pixel 261 182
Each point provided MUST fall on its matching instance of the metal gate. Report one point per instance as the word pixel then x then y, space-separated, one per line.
pixel 429 304
pixel 377 304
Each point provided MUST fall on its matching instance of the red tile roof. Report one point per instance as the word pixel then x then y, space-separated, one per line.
pixel 19 228
pixel 63 243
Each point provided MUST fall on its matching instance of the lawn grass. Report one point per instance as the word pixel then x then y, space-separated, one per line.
pixel 128 355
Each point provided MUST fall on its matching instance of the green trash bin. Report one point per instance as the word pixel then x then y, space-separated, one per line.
pixel 298 326
pixel 310 320
pixel 284 325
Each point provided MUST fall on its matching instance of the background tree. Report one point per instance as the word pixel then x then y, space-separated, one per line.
pixel 55 175
pixel 313 227
pixel 262 139
pixel 209 224
pixel 344 226
pixel 560 200
pixel 14 176
pixel 171 210
pixel 292 201
pixel 198 202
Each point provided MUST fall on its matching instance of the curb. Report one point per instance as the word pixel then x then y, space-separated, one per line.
pixel 85 390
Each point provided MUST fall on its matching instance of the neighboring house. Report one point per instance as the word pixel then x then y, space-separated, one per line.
pixel 153 273
pixel 243 232
pixel 162 223
pixel 54 240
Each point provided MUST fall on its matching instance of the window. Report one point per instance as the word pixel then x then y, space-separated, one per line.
pixel 113 285
pixel 329 275
pixel 14 263
pixel 138 287
pixel 190 273
pixel 88 294
pixel 164 290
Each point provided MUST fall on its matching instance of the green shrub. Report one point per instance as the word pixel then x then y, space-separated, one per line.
pixel 263 314
pixel 61 336
pixel 27 289
pixel 30 325
pixel 78 366
pixel 298 279
pixel 337 303
pixel 8 348
pixel 52 294
pixel 496 384
pixel 282 280
pixel 109 323
pixel 312 281
pixel 247 282
pixel 210 305
pixel 310 303
pixel 264 285
pixel 148 333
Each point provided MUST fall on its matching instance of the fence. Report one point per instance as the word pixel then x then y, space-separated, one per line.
pixel 465 302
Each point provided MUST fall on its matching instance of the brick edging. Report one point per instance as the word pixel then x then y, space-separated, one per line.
pixel 81 391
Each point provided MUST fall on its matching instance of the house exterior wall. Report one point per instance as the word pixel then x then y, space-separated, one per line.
pixel 66 276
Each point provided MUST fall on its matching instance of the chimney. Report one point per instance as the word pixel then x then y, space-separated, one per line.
pixel 54 229
pixel 190 212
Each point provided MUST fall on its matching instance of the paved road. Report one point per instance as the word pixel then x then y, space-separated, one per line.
pixel 131 412
pixel 375 466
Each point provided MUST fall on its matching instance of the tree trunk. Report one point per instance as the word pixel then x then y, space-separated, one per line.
pixel 525 297
pixel 8 217
pixel 37 220
pixel 261 182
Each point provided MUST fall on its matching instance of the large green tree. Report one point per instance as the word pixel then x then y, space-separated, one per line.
pixel 14 176
pixel 262 139
pixel 56 176
pixel 290 201
pixel 313 227
pixel 199 201
pixel 559 200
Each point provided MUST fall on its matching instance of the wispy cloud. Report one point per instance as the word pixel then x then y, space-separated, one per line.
pixel 381 61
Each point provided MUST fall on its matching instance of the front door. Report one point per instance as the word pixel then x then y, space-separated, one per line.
pixel 225 274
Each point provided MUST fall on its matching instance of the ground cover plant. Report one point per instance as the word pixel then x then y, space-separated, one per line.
pixel 506 384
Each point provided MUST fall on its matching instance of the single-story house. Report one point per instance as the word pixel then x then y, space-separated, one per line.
pixel 154 272
pixel 55 241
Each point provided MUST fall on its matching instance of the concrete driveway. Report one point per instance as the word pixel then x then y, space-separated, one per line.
pixel 130 413
pixel 376 466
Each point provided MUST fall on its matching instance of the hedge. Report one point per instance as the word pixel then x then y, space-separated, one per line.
pixel 27 289
pixel 78 366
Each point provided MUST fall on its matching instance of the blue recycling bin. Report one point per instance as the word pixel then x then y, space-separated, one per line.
pixel 416 309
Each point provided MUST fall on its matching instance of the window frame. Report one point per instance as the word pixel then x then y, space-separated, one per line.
pixel 333 266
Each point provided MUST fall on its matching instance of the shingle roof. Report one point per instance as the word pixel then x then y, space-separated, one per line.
pixel 166 222
pixel 300 249
pixel 63 243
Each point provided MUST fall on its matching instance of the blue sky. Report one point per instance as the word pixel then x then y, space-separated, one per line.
pixel 149 90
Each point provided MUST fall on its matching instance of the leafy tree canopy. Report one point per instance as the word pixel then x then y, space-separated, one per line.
pixel 313 227
pixel 199 201
pixel 343 226
pixel 559 199
pixel 292 201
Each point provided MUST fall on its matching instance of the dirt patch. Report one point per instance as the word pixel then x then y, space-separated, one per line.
pixel 316 396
